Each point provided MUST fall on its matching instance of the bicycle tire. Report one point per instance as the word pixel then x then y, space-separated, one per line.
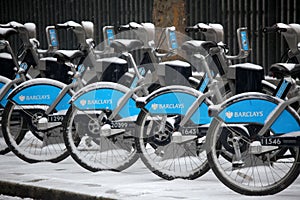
pixel 92 151
pixel 165 159
pixel 256 176
pixel 31 148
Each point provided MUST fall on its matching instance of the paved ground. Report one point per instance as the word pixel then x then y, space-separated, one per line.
pixel 67 180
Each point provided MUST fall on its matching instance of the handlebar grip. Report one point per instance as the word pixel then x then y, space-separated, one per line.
pixel 273 29
pixel 62 26
pixel 8 25
pixel 191 29
pixel 124 28
pixel 203 29
pixel 13 24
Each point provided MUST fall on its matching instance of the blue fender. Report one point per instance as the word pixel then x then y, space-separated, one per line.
pixel 3 82
pixel 256 108
pixel 105 96
pixel 176 100
pixel 41 91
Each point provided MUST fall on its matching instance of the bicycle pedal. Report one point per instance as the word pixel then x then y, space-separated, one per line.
pixel 245 176
pixel 237 164
pixel 159 152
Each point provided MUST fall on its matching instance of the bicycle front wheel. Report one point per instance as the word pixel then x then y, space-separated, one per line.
pixel 29 143
pixel 19 131
pixel 98 143
pixel 170 154
pixel 255 170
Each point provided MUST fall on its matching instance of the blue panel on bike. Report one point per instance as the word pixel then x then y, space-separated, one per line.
pixel 110 35
pixel 64 103
pixel 105 98
pixel 173 40
pixel 244 38
pixel 201 115
pixel 257 111
pixel 53 38
pixel 178 103
pixel 1 85
pixel 204 84
pixel 40 95
pixel 285 123
pixel 129 109
pixel 3 101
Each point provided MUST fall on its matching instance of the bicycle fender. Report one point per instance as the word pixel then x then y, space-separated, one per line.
pixel 3 82
pixel 41 91
pixel 257 108
pixel 176 100
pixel 105 96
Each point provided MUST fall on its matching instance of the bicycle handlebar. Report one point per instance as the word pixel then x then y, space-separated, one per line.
pixel 130 26
pixel 63 26
pixel 68 25
pixel 8 25
pixel 12 24
pixel 124 28
pixel 195 29
pixel 191 29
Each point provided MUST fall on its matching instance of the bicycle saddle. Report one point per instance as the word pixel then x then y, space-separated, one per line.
pixel 6 32
pixel 68 55
pixel 197 45
pixel 126 45
pixel 281 70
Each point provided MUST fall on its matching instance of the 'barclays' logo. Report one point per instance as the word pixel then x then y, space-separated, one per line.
pixel 229 114
pixel 167 106
pixel 34 97
pixel 245 114
pixel 83 102
pixel 22 98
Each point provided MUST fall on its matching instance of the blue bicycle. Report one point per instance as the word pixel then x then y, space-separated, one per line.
pixel 99 127
pixel 172 125
pixel 13 73
pixel 37 107
pixel 253 141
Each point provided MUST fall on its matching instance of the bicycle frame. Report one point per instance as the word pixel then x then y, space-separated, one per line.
pixel 209 81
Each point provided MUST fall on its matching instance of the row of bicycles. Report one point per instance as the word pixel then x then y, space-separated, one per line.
pixel 109 105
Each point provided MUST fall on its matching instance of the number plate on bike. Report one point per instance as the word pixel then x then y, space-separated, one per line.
pixel 120 125
pixel 280 141
pixel 55 118
pixel 271 141
pixel 189 131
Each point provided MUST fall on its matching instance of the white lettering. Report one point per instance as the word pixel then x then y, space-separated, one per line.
pixel 170 106
pixel 35 97
pixel 249 114
pixel 99 101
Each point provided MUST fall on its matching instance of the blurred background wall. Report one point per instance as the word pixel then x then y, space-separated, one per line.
pixel 255 14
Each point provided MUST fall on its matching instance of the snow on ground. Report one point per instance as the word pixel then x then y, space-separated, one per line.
pixel 3 197
pixel 135 183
